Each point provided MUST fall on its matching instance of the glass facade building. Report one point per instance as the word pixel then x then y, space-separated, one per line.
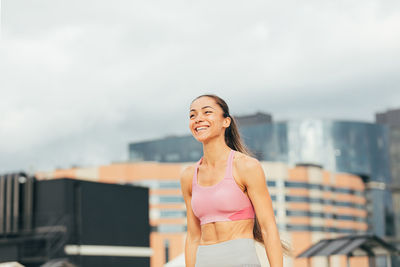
pixel 391 119
pixel 339 146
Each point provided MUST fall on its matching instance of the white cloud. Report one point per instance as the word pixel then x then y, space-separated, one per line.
pixel 90 76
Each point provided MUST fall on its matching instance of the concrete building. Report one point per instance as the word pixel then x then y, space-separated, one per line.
pixel 310 203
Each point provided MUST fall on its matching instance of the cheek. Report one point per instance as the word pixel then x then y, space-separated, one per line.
pixel 191 124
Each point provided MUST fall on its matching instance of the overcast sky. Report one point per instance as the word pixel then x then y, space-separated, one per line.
pixel 81 79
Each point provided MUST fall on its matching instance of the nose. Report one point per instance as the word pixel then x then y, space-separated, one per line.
pixel 199 118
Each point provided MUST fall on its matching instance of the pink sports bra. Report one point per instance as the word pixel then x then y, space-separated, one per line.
pixel 224 201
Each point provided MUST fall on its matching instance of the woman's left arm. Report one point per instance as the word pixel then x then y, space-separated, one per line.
pixel 252 175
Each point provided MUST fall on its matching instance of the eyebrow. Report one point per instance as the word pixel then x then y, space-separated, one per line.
pixel 202 108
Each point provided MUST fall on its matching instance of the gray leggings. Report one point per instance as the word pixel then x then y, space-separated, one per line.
pixel 232 253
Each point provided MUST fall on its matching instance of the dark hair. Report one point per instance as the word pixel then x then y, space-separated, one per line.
pixel 233 140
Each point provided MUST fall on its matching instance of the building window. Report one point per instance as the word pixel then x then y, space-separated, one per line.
pixel 172 214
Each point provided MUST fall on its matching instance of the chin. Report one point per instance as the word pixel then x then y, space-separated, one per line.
pixel 205 139
pixel 201 139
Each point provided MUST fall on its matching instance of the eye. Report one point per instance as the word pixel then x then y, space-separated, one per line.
pixel 208 111
pixel 191 116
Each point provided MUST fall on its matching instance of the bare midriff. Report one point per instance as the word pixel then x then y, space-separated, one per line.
pixel 216 232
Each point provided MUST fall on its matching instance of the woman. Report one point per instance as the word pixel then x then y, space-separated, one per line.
pixel 223 192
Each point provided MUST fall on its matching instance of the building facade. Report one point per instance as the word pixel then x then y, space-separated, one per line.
pixel 391 119
pixel 310 203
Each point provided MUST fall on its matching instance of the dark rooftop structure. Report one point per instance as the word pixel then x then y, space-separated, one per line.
pixel 82 223
pixel 352 246
pixel 253 119
pixel 390 117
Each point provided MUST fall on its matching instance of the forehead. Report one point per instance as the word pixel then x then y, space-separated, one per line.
pixel 202 102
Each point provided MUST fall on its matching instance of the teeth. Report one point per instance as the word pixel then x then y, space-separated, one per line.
pixel 201 128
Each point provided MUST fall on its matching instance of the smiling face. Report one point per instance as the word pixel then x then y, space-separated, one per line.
pixel 206 120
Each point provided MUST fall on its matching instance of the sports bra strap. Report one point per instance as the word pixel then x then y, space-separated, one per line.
pixel 194 180
pixel 229 172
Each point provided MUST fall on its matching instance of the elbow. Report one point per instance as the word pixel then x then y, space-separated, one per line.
pixel 269 230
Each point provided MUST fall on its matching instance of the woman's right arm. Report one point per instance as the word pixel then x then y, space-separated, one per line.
pixel 193 224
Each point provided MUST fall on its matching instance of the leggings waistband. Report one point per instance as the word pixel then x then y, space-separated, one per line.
pixel 250 240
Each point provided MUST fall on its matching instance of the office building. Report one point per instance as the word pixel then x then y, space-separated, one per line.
pixel 310 204
pixel 391 119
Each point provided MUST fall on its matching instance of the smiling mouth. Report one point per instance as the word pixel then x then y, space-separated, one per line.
pixel 202 128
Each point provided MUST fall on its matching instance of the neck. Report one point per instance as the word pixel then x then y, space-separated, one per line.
pixel 215 151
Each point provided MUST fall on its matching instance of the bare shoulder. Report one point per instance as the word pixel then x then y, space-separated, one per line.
pixel 245 163
pixel 187 176
pixel 248 169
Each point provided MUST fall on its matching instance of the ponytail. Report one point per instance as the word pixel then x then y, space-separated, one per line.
pixel 232 138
